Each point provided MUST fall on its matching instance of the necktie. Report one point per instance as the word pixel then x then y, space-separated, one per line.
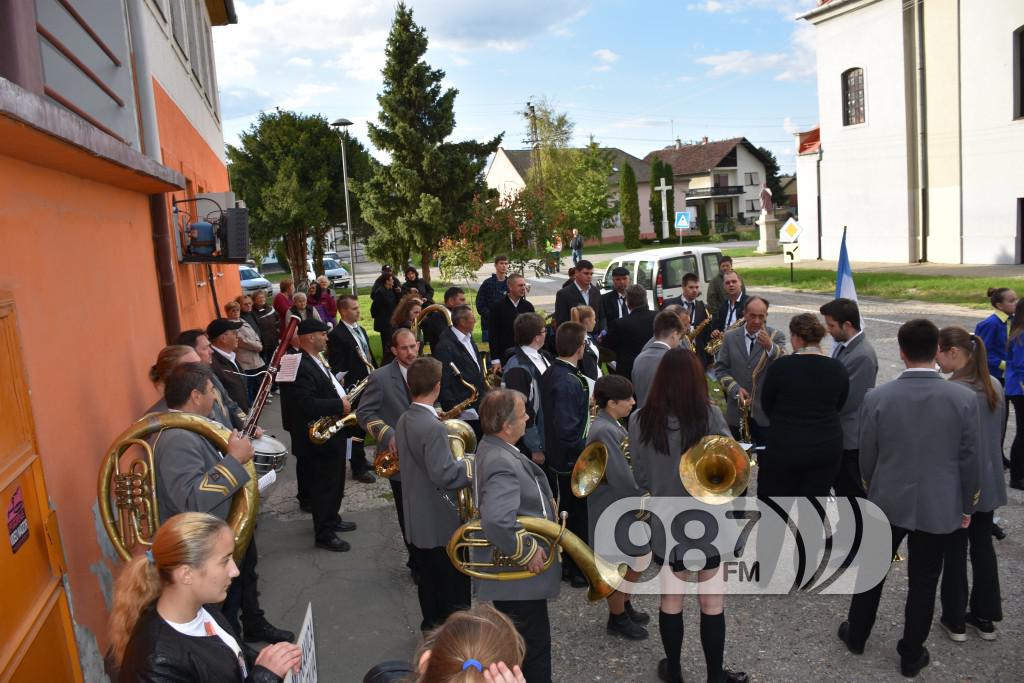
pixel 838 349
pixel 730 318
pixel 622 304
pixel 363 342
pixel 750 343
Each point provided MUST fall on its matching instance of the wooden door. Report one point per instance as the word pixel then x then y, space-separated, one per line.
pixel 37 641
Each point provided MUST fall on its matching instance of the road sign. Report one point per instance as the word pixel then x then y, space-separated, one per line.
pixel 682 220
pixel 790 231
pixel 790 252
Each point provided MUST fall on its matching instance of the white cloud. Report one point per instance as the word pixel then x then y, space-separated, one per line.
pixel 789 126
pixel 605 55
pixel 300 61
pixel 788 8
pixel 799 62
pixel 741 62
pixel 640 122
pixel 460 61
pixel 561 28
pixel 803 54
pixel 602 67
pixel 709 6
pixel 305 94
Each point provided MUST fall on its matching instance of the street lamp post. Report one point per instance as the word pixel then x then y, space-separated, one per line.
pixel 341 125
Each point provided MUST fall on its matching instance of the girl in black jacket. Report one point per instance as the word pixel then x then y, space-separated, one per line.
pixel 164 625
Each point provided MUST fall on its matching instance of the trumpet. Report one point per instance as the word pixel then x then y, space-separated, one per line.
pixel 603 576
pixel 324 428
pixel 715 344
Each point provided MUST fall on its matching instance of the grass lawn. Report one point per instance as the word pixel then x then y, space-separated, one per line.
pixel 963 291
pixel 738 252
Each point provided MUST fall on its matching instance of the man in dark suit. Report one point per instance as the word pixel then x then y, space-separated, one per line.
pixel 223 336
pixel 614 302
pixel 351 361
pixel 628 335
pixel 580 292
pixel 668 330
pixel 854 351
pixel 457 347
pixel 434 325
pixel 316 393
pixel 510 485
pixel 382 403
pixel 565 400
pixel 431 480
pixel 503 316
pixel 731 311
pixel 926 481
pixel 698 312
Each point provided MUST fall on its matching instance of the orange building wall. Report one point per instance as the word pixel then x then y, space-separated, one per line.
pixel 78 257
pixel 185 151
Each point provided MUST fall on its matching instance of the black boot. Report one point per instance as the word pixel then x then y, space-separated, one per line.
pixel 622 625
pixel 637 617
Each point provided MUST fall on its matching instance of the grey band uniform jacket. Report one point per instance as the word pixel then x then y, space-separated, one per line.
pixel 990 447
pixel 658 473
pixel 382 403
pixel 508 484
pixel 861 363
pixel 918 451
pixel 734 368
pixel 619 482
pixel 192 475
pixel 645 367
pixel 430 473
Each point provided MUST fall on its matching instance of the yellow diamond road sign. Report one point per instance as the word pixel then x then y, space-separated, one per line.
pixel 790 231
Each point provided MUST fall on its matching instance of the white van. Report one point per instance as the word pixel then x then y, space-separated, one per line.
pixel 661 271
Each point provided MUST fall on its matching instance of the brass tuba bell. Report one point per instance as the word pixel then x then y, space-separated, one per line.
pixel 462 443
pixel 715 470
pixel 588 472
pixel 127 498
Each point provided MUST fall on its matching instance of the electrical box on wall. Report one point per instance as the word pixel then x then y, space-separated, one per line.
pixel 211 228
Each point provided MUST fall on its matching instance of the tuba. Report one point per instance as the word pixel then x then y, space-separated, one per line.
pixel 462 443
pixel 588 472
pixel 603 576
pixel 715 470
pixel 127 498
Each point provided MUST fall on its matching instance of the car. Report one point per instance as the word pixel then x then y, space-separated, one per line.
pixel 661 271
pixel 332 269
pixel 253 282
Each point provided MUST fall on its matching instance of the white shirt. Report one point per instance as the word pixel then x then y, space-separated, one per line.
pixel 515 302
pixel 467 343
pixel 360 336
pixel 539 361
pixel 585 292
pixel 730 314
pixel 334 380
pixel 920 370
pixel 198 628
pixel 426 406
pixel 405 372
pixel 229 356
pixel 658 341
pixel 842 345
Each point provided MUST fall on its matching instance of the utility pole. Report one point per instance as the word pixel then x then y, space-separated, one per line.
pixel 534 142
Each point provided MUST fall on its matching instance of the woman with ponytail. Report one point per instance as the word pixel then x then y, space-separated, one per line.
pixel 964 355
pixel 994 331
pixel 164 626
pixel 476 645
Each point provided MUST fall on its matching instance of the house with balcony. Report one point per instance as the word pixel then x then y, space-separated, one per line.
pixel 722 179
pixel 509 169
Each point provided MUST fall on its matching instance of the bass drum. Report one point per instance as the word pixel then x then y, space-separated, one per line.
pixel 270 454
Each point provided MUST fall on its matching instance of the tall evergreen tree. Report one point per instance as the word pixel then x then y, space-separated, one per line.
pixel 428 188
pixel 661 169
pixel 771 172
pixel 629 207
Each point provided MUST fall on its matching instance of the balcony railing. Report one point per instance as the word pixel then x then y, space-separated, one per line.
pixel 719 191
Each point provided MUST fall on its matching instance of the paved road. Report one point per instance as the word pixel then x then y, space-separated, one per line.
pixel 367 611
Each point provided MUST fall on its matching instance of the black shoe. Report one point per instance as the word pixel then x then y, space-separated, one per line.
pixel 911 669
pixel 844 635
pixel 342 526
pixel 333 544
pixel 664 675
pixel 985 629
pixel 578 581
pixel 366 476
pixel 622 625
pixel 306 507
pixel 997 532
pixel 637 617
pixel 264 632
pixel 955 633
pixel 735 676
pixel 1017 484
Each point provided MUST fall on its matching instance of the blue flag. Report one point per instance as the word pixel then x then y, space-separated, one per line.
pixel 844 275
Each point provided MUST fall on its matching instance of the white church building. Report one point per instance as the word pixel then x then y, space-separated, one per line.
pixel 920 145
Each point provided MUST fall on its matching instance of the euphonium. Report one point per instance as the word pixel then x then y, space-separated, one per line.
pixel 462 443
pixel 588 472
pixel 715 470
pixel 324 428
pixel 432 308
pixel 603 576
pixel 132 517
pixel 715 344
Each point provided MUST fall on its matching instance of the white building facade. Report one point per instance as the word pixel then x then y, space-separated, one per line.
pixel 921 131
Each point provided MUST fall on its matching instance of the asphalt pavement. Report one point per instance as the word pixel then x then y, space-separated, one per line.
pixel 366 611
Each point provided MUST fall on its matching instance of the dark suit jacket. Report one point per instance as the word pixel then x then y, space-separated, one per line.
pixel 233 382
pixel 627 336
pixel 500 324
pixel 569 297
pixel 565 400
pixel 344 354
pixel 719 322
pixel 700 315
pixel 309 397
pixel 450 350
pixel 610 304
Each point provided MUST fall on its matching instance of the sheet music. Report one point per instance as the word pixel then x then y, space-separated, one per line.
pixel 266 480
pixel 289 367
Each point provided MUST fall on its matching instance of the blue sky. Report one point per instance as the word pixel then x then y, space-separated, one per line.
pixel 636 75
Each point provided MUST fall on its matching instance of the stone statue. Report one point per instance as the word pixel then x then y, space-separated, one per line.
pixel 767 205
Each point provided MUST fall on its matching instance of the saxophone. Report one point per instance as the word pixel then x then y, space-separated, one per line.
pixel 715 344
pixel 460 408
pixel 324 428
pixel 695 331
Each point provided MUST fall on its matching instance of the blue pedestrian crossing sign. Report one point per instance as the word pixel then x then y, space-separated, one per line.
pixel 682 220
